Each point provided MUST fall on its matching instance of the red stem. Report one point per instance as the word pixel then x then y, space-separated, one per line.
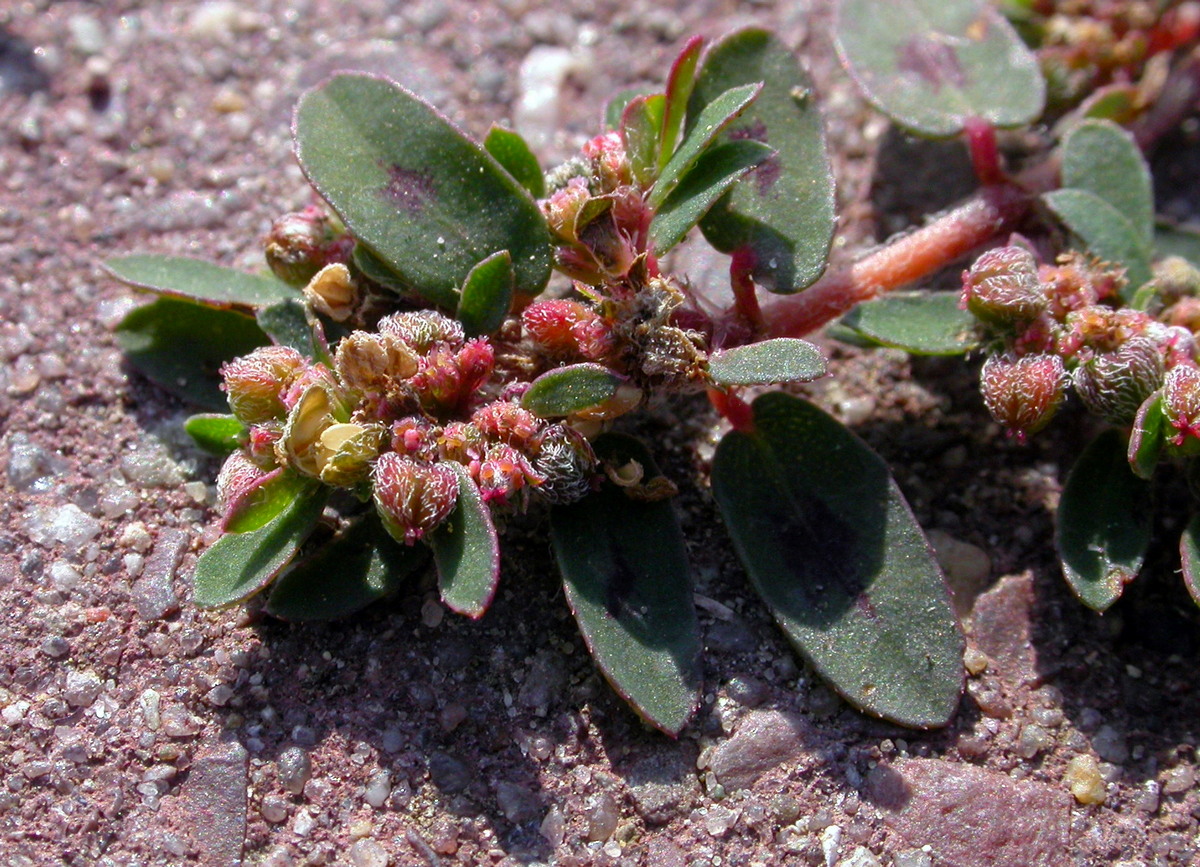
pixel 993 211
pixel 985 153
pixel 741 278
pixel 735 410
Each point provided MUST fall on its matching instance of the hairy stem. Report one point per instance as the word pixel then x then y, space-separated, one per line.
pixel 993 211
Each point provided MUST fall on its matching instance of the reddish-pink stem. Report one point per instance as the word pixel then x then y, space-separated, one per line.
pixel 741 269
pixel 993 211
pixel 735 410
pixel 985 153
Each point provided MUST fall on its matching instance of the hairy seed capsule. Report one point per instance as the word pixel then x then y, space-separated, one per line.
pixel 300 244
pixel 503 472
pixel 566 463
pixel 507 422
pixel 332 291
pixel 1002 287
pixel 1114 384
pixel 373 363
pixel 238 477
pixel 1023 393
pixel 256 383
pixel 422 329
pixel 411 497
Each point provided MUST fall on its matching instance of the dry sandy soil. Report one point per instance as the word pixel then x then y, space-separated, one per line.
pixel 136 730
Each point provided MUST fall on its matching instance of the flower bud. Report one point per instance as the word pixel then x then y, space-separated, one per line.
pixel 256 383
pixel 507 422
pixel 448 379
pixel 1023 393
pixel 411 497
pixel 565 462
pixel 239 476
pixel 346 451
pixel 503 472
pixel 1002 287
pixel 463 443
pixel 332 291
pixel 300 244
pixel 564 329
pixel 1114 384
pixel 1181 405
pixel 415 437
pixel 260 444
pixel 610 165
pixel 373 363
pixel 422 329
pixel 564 207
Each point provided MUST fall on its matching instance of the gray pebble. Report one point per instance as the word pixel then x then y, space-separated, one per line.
pixel 602 816
pixel 274 810
pixel 82 688
pixel 1110 745
pixel 294 768
pixel 517 803
pixel 378 788
pixel 368 853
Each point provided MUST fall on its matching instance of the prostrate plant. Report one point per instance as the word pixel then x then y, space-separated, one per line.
pixel 398 387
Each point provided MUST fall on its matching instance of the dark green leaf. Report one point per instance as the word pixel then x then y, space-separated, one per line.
pixel 466 551
pixel 923 323
pixel 486 295
pixel 216 433
pixel 780 217
pixel 570 389
pixel 1189 550
pixel 718 169
pixel 714 117
pixel 1104 231
pixel 835 552
pixel 357 567
pixel 266 536
pixel 932 64
pixel 181 345
pixel 427 200
pixel 1101 158
pixel 198 280
pixel 1103 523
pixel 374 268
pixel 1148 436
pixel 625 571
pixel 286 323
pixel 680 81
pixel 512 152
pixel 784 359
pixel 641 130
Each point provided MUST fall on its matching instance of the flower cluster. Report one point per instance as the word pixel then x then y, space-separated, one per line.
pixel 396 407
pixel 1060 325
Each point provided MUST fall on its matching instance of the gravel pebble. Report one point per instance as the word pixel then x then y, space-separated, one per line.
pixel 448 773
pixel 82 688
pixel 763 740
pixel 294 768
pixel 602 816
pixel 378 788
pixel 154 590
pixel 1084 780
pixel 368 853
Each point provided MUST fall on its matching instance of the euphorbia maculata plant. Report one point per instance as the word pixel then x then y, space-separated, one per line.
pixel 401 381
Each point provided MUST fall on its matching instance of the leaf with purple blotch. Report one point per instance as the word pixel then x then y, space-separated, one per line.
pixel 931 65
pixel 834 550
pixel 627 580
pixel 429 202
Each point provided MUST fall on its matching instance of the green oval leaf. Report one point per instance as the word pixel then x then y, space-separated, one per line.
pixel 1104 231
pixel 784 359
pixel 717 170
pixel 781 214
pixel 466 552
pixel 1102 159
pixel 514 154
pixel 181 345
pixel 183 277
pixel 626 576
pixel 569 390
pixel 1103 526
pixel 1189 551
pixel 428 201
pixel 360 565
pixel 713 118
pixel 923 323
pixel 932 64
pixel 267 535
pixel 835 552
pixel 217 433
pixel 486 295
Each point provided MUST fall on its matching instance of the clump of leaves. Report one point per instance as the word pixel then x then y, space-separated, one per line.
pixel 400 383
